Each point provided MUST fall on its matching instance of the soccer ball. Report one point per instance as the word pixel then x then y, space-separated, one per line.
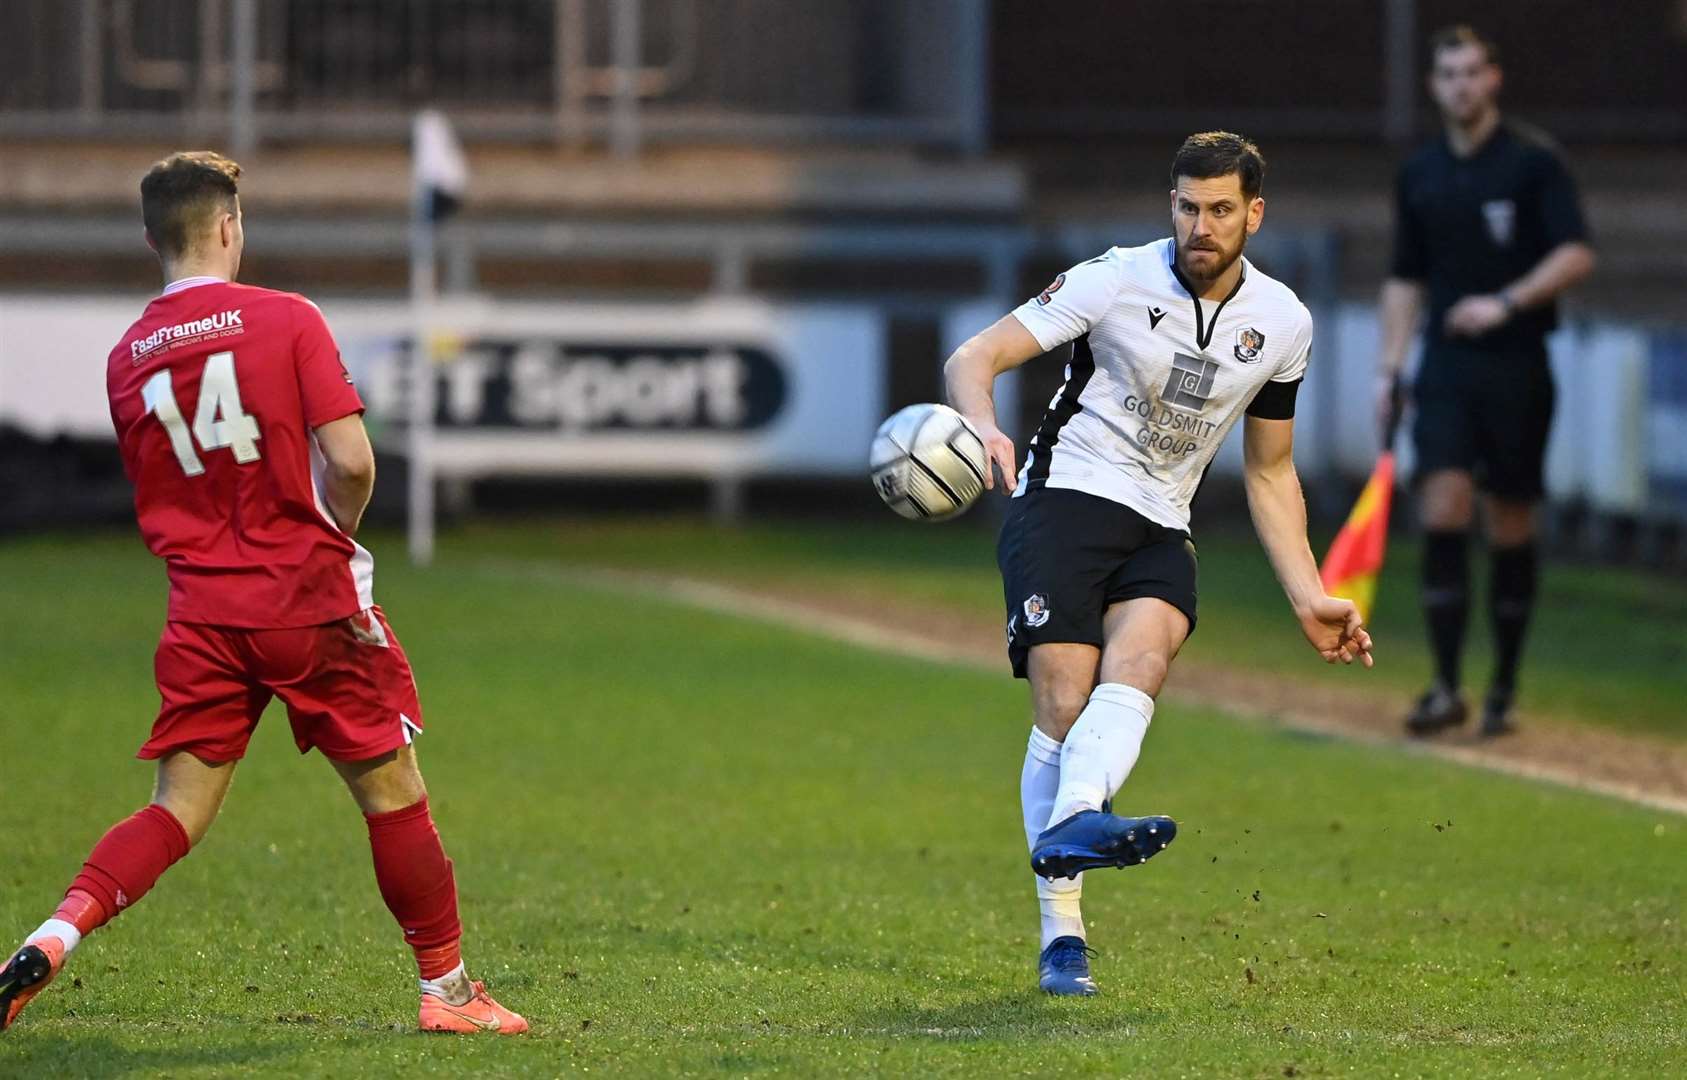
pixel 928 463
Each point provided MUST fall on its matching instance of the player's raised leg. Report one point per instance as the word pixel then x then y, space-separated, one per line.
pixel 416 881
pixel 125 864
pixel 1061 676
pixel 1143 635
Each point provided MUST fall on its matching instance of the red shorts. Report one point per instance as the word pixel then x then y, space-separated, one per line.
pixel 347 686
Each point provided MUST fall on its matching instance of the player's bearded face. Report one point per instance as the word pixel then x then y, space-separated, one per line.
pixel 1211 222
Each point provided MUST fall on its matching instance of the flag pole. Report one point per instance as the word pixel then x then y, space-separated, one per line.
pixel 424 294
pixel 1396 411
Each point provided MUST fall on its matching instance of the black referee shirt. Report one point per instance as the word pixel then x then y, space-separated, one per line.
pixel 1474 225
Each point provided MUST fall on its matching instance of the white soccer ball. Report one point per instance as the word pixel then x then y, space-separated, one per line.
pixel 928 463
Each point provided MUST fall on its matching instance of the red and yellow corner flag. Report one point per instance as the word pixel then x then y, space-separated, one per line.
pixel 1355 557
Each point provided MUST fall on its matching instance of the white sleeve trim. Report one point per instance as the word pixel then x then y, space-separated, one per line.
pixel 1300 353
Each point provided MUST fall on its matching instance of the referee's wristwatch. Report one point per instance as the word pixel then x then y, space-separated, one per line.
pixel 1508 302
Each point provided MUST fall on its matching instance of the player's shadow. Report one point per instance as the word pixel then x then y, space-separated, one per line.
pixel 69 1055
pixel 1028 1014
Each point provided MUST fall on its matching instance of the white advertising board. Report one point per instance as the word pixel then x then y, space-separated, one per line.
pixel 716 387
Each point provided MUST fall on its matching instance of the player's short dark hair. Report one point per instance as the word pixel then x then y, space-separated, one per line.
pixel 1458 36
pixel 1212 154
pixel 180 192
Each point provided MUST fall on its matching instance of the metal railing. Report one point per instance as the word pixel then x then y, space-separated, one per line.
pixel 618 71
pixel 946 73
pixel 1330 69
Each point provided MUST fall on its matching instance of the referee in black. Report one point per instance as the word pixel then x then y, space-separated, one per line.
pixel 1488 233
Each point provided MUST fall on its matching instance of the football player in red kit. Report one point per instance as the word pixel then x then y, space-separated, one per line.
pixel 243 436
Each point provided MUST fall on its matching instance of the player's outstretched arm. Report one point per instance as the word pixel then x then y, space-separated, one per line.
pixel 349 479
pixel 970 376
pixel 1332 626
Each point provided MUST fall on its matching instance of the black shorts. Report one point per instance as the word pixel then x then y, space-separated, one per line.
pixel 1487 413
pixel 1067 556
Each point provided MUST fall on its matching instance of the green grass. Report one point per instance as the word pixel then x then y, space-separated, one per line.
pixel 1607 646
pixel 697 845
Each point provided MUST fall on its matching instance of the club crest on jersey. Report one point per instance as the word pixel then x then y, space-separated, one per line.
pixel 1048 294
pixel 1036 610
pixel 1501 218
pixel 1250 345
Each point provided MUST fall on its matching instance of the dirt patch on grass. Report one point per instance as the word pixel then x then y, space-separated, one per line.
pixel 1643 769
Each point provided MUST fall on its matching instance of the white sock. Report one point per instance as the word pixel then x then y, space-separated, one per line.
pixel 1038 782
pixel 453 987
pixel 1101 748
pixel 60 929
pixel 1056 900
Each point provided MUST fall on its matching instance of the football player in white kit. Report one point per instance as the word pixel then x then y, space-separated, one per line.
pixel 1172 343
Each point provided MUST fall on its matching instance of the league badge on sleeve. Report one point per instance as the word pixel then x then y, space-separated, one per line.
pixel 1048 294
pixel 1250 345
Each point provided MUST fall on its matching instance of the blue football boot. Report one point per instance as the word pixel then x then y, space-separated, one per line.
pixel 1094 839
pixel 1064 968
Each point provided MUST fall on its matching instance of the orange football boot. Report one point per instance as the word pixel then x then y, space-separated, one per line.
pixel 479 1013
pixel 27 973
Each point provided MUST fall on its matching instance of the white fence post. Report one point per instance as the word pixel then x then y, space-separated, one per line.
pixel 1399 70
pixel 93 62
pixel 626 48
pixel 243 85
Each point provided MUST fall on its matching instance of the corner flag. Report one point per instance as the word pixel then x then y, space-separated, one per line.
pixel 439 170
pixel 1355 557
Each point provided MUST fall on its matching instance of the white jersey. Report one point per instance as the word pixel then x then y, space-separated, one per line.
pixel 1157 377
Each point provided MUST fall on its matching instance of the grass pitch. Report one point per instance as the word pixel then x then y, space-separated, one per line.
pixel 1606 647
pixel 696 844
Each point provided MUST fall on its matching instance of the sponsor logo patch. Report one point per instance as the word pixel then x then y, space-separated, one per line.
pixel 1250 345
pixel 1036 610
pixel 222 324
pixel 1190 383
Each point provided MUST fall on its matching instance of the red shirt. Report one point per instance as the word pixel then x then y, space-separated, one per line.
pixel 214 394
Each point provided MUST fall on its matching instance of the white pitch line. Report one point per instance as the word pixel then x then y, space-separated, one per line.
pixel 730 600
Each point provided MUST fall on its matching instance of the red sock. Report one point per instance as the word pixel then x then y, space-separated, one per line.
pixel 416 882
pixel 123 867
